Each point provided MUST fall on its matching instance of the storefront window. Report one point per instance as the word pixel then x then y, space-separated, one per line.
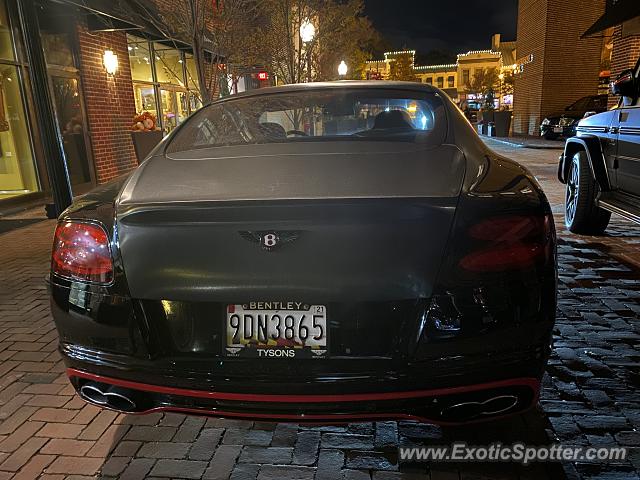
pixel 57 49
pixel 140 59
pixel 168 65
pixel 195 100
pixel 169 108
pixel 145 97
pixel 192 72
pixel 6 43
pixel 17 170
pixel 170 74
pixel 183 105
pixel 164 82
pixel 71 122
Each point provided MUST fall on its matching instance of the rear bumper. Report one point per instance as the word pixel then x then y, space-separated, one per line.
pixel 445 406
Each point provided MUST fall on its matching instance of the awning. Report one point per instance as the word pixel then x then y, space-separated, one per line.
pixel 140 17
pixel 615 13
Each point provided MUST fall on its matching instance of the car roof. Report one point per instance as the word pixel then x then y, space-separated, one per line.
pixel 340 84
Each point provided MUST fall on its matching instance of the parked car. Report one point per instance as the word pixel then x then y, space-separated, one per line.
pixel 601 165
pixel 563 124
pixel 322 252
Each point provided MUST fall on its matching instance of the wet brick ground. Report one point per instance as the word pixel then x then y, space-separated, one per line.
pixel 590 395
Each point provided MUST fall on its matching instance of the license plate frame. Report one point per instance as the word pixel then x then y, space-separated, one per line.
pixel 285 325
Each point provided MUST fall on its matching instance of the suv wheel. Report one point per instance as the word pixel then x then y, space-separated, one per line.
pixel 581 214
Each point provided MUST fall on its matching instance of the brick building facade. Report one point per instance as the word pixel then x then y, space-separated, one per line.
pixel 626 50
pixel 109 102
pixel 557 65
pixel 70 120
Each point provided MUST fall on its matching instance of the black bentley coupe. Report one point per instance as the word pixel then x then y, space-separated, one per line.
pixel 322 252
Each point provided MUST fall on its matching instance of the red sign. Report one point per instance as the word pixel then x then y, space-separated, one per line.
pixel 263 75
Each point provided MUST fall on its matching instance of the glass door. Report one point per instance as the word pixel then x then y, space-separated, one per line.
pixel 175 107
pixel 71 120
pixel 60 45
pixel 17 168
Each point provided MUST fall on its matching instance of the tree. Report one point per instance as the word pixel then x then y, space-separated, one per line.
pixel 401 68
pixel 233 39
pixel 220 34
pixel 282 48
pixel 342 32
pixel 507 82
pixel 484 83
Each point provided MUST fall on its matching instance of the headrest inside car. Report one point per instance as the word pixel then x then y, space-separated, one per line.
pixel 398 119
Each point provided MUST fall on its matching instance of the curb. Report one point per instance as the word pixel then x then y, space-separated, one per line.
pixel 524 145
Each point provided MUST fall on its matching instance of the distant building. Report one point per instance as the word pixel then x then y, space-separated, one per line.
pixel 380 69
pixel 444 77
pixel 453 78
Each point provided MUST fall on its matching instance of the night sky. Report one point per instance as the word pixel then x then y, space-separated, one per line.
pixel 448 26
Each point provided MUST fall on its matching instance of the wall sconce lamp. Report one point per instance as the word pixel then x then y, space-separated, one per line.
pixel 110 61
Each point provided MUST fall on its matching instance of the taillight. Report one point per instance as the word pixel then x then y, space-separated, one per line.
pixel 81 252
pixel 508 243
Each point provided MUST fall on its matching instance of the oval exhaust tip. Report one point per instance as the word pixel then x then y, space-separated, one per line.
pixel 113 397
pixel 470 410
pixel 120 399
pixel 93 393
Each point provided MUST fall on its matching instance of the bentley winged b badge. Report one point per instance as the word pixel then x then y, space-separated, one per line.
pixel 270 239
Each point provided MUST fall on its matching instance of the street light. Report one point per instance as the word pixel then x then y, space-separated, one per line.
pixel 342 69
pixel 307 32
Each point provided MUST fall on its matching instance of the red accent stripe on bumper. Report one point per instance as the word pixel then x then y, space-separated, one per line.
pixel 323 419
pixel 533 383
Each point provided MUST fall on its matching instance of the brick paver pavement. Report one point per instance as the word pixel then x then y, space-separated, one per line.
pixel 590 394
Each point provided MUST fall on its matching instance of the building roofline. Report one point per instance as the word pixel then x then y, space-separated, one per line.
pixel 436 67
pixel 475 52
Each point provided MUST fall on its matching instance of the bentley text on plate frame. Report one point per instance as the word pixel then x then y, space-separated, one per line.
pixel 322 252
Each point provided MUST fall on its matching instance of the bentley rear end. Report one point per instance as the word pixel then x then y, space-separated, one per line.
pixel 318 253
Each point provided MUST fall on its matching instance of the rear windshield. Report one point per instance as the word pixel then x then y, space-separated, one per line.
pixel 316 116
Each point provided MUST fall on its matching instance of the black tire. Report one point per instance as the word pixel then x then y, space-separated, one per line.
pixel 581 214
pixel 550 136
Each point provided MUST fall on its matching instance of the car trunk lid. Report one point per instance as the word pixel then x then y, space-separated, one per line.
pixel 366 225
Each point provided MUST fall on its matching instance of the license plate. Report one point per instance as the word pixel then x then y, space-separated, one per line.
pixel 557 129
pixel 276 330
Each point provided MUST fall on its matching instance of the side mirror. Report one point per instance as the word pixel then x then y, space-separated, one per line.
pixel 588 114
pixel 624 85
